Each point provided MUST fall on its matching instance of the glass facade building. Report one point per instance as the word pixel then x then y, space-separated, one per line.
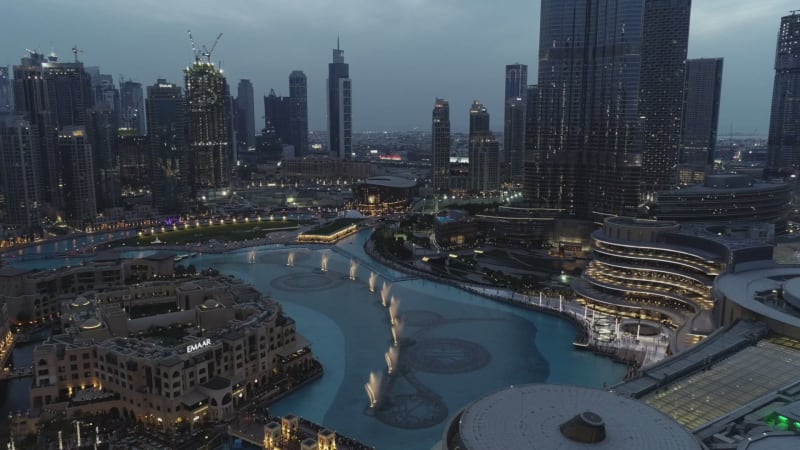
pixel 440 146
pixel 603 68
pixel 340 107
pixel 208 114
pixel 784 124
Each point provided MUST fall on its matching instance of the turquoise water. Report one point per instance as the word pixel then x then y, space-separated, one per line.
pixel 454 346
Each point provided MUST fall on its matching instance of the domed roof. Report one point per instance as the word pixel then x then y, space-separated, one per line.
pixel 80 302
pixel 211 304
pixel 91 324
pixel 565 417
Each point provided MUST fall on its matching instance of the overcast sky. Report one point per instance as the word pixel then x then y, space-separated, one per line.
pixel 402 53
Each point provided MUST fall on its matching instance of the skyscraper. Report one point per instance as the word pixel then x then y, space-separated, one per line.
pixel 784 123
pixel 245 115
pixel 32 102
pixel 52 96
pixel 287 117
pixel 440 146
pixel 514 127
pixel 6 92
pixel 132 114
pixel 276 115
pixel 77 183
pixel 208 113
pixel 484 152
pixel 20 165
pixel 608 120
pixel 340 106
pixel 166 125
pixel 102 132
pixel 700 112
pixel 665 40
pixel 478 118
pixel 298 112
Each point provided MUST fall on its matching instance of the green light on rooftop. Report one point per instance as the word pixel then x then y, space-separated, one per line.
pixel 783 419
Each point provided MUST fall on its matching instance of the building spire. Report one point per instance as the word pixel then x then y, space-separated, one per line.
pixel 337 42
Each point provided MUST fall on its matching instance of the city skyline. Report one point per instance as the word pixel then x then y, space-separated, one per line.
pixel 146 46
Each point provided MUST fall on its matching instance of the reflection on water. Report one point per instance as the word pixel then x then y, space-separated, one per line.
pixel 453 346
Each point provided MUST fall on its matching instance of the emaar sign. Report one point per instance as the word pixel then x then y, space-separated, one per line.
pixel 198 345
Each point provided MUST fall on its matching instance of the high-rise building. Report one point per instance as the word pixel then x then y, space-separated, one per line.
pixel 6 92
pixel 52 96
pixel 784 124
pixel 276 115
pixel 608 120
pixel 484 151
pixel 515 101
pixel 208 112
pixel 32 102
pixel 298 112
pixel 20 165
pixel 665 41
pixel 132 114
pixel 77 183
pixel 69 92
pixel 700 114
pixel 103 128
pixel 166 125
pixel 244 115
pixel 287 117
pixel 478 118
pixel 340 106
pixel 440 146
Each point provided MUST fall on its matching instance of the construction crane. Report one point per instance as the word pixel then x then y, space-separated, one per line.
pixel 75 51
pixel 204 51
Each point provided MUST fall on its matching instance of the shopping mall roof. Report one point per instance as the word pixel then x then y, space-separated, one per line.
pixel 543 415
pixel 743 288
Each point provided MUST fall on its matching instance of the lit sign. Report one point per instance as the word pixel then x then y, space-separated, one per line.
pixel 198 345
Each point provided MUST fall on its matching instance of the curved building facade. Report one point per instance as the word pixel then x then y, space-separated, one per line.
pixel 384 195
pixel 660 271
pixel 725 199
pixel 769 294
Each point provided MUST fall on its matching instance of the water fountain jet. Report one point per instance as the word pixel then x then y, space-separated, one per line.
pixel 397 331
pixel 353 269
pixel 385 294
pixel 392 359
pixel 373 388
pixel 394 308
pixel 324 262
pixel 290 260
pixel 372 280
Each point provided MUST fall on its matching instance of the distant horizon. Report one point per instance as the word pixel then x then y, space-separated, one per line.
pixel 454 51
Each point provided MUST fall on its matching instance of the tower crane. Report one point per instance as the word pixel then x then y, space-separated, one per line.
pixel 204 51
pixel 75 51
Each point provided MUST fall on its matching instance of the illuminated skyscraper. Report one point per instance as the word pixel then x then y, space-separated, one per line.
pixel 440 146
pixel 298 112
pixel 484 152
pixel 700 115
pixel 132 114
pixel 166 125
pixel 76 182
pixel 6 92
pixel 514 128
pixel 608 120
pixel 208 112
pixel 784 124
pixel 52 96
pixel 20 165
pixel 340 106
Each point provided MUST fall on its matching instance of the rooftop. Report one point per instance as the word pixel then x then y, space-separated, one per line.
pixel 530 416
